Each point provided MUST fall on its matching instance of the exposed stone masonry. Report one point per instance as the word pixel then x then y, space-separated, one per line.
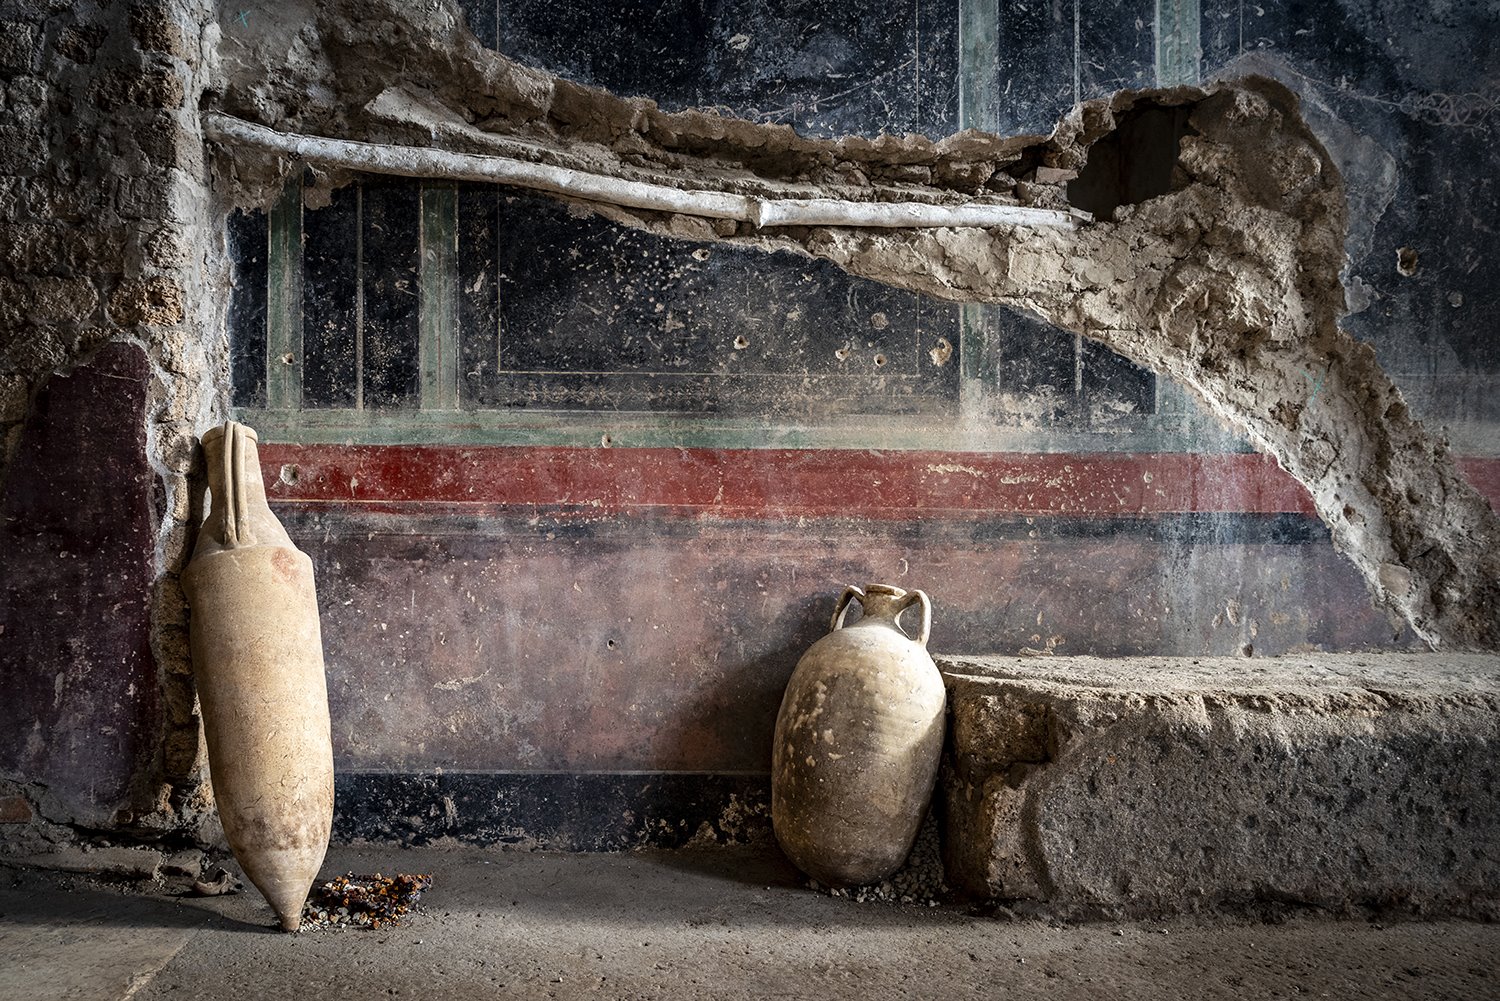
pixel 106 236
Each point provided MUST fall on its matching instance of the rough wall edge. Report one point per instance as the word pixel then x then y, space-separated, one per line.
pixel 1228 284
pixel 122 231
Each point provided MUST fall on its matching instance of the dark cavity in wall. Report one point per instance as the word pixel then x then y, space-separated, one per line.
pixel 1134 163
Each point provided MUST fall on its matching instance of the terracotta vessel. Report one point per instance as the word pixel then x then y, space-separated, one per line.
pixel 258 664
pixel 858 741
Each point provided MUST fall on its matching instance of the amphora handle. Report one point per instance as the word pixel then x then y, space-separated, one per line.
pixel 917 597
pixel 842 608
pixel 234 512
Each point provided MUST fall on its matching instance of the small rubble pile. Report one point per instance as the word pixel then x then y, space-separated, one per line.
pixel 920 880
pixel 351 901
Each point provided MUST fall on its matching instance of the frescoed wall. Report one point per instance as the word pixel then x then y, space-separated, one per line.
pixel 579 496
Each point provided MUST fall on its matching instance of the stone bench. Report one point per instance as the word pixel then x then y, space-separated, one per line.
pixel 1160 785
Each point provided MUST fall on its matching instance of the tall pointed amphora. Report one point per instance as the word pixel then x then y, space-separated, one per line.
pixel 258 664
pixel 858 741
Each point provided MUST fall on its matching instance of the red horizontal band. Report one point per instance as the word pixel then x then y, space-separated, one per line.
pixel 793 482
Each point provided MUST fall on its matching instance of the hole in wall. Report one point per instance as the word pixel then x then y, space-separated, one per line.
pixel 1135 162
pixel 1406 261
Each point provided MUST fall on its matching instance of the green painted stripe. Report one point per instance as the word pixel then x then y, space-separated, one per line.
pixel 978 108
pixel 979 65
pixel 438 348
pixel 975 323
pixel 284 301
pixel 1181 433
pixel 1178 42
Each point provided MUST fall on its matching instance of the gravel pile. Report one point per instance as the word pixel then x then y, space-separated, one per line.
pixel 920 880
pixel 351 901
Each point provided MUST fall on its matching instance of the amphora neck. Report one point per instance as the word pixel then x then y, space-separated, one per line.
pixel 883 605
pixel 238 514
pixel 883 602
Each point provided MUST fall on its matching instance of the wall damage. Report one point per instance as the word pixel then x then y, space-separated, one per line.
pixel 107 252
pixel 1216 264
pixel 1220 268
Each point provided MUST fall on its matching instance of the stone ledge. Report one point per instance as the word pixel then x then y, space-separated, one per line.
pixel 1160 785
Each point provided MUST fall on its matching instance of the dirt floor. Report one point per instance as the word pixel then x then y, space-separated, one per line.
pixel 727 924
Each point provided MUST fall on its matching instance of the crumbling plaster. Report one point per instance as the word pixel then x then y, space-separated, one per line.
pixel 112 232
pixel 1229 283
pixel 107 236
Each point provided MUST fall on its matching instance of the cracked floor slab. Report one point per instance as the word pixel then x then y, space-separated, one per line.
pixel 62 938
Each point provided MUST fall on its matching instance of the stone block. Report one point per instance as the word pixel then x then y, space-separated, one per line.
pixel 12 192
pixel 156 301
pixel 168 196
pixel 23 146
pixel 17 46
pixel 26 93
pixel 37 349
pixel 31 247
pixel 149 88
pixel 166 248
pixel 56 300
pixel 57 200
pixel 14 394
pixel 80 42
pixel 166 139
pixel 152 26
pixel 15 302
pixel 1157 785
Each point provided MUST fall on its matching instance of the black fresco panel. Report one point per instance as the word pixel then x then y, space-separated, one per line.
pixel 937 58
pixel 1034 78
pixel 1345 44
pixel 592 314
pixel 823 67
pixel 1222 23
pixel 479 239
pixel 1115 386
pixel 1116 46
pixel 247 239
pixel 1404 98
pixel 1032 359
pixel 389 228
pixel 330 286
pixel 1441 319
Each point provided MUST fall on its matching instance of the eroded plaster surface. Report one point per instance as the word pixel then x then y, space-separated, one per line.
pixel 1225 276
pixel 107 252
pixel 1226 279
